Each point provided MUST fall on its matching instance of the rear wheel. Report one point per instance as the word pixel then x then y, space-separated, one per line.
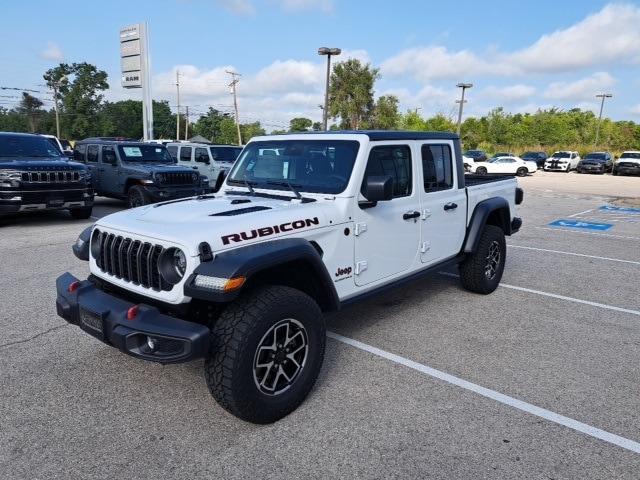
pixel 522 172
pixel 482 271
pixel 481 170
pixel 266 352
pixel 136 197
pixel 81 213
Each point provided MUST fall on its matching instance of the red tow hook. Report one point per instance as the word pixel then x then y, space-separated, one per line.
pixel 73 286
pixel 132 313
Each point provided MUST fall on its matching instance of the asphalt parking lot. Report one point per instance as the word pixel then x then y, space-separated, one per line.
pixel 537 380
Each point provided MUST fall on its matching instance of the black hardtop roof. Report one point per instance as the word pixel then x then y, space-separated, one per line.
pixel 392 134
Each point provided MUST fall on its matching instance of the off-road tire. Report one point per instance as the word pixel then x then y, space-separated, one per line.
pixel 235 337
pixel 481 171
pixel 136 197
pixel 522 172
pixel 81 213
pixel 472 269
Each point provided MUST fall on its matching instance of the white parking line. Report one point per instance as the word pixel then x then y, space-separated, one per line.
pixel 586 233
pixel 574 254
pixel 581 213
pixel 559 297
pixel 493 395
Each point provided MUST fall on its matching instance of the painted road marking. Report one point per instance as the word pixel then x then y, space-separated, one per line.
pixel 575 254
pixel 612 209
pixel 581 213
pixel 580 224
pixel 587 233
pixel 494 395
pixel 559 297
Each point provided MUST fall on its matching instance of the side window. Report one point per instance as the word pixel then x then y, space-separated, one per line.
pixel 437 167
pixel 109 155
pixel 393 160
pixel 79 153
pixel 185 154
pixel 92 154
pixel 173 151
pixel 201 155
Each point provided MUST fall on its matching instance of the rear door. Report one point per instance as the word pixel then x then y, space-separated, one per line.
pixel 386 240
pixel 443 202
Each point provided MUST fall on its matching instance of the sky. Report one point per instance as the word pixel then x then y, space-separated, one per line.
pixel 521 55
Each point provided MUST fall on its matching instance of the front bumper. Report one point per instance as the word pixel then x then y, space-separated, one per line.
pixel 160 194
pixel 27 201
pixel 591 168
pixel 555 166
pixel 104 317
pixel 628 170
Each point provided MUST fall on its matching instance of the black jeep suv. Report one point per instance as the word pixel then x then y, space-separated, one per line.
pixel 139 173
pixel 35 176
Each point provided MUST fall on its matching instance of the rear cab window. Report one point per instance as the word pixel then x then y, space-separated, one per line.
pixel 437 167
pixel 92 153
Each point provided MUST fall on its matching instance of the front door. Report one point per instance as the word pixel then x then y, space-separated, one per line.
pixel 109 171
pixel 444 204
pixel 387 235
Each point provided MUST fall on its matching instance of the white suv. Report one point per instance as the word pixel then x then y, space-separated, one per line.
pixel 212 161
pixel 563 161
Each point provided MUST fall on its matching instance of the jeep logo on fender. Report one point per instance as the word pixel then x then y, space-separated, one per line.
pixel 266 231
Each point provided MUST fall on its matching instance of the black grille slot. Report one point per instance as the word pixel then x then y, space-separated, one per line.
pixel 240 211
pixel 177 178
pixel 50 177
pixel 131 260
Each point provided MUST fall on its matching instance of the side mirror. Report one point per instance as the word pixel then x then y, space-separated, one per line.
pixel 376 188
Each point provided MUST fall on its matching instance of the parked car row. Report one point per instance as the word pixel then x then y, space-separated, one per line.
pixel 40 172
pixel 477 161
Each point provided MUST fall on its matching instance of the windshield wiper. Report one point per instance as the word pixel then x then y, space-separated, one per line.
pixel 249 185
pixel 291 186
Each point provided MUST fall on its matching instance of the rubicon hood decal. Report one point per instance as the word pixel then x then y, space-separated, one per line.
pixel 266 231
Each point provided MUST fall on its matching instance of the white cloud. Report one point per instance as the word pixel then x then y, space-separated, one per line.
pixel 52 52
pixel 325 6
pixel 583 89
pixel 608 36
pixel 635 110
pixel 238 7
pixel 509 93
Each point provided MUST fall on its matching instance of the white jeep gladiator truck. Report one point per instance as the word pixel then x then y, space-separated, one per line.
pixel 304 224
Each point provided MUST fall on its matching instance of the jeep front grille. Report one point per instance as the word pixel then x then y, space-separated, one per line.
pixel 178 178
pixel 131 260
pixel 51 177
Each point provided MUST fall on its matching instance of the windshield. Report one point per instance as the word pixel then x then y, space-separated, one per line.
pixel 145 153
pixel 225 154
pixel 635 155
pixel 317 166
pixel 596 156
pixel 561 155
pixel 20 146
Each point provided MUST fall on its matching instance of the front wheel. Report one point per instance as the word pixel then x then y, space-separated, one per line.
pixel 136 197
pixel 481 171
pixel 266 352
pixel 522 172
pixel 481 271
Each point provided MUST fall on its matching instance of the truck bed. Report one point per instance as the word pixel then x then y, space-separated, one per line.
pixel 471 179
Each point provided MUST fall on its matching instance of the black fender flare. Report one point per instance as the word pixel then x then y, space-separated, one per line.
pixel 251 260
pixel 479 219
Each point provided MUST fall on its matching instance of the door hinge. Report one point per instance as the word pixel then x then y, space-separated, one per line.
pixel 426 213
pixel 426 246
pixel 360 228
pixel 361 267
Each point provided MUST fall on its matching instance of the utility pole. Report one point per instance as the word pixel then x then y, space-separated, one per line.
pixel 55 106
pixel 325 111
pixel 602 96
pixel 186 124
pixel 234 82
pixel 463 86
pixel 178 105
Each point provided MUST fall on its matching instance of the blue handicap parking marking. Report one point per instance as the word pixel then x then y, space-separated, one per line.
pixel 580 224
pixel 612 209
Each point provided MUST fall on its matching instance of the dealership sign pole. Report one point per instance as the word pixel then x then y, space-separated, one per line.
pixel 136 69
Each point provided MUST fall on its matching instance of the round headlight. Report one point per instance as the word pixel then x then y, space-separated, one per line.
pixel 172 265
pixel 96 243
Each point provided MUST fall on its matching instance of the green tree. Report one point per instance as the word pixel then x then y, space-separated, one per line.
pixel 317 126
pixel 79 87
pixel 250 130
pixel 209 125
pixel 300 124
pixel 31 108
pixel 385 113
pixel 351 93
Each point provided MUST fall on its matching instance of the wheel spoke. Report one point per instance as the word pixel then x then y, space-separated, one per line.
pixel 297 334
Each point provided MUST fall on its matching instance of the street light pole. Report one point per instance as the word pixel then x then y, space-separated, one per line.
pixel 602 96
pixel 325 111
pixel 463 86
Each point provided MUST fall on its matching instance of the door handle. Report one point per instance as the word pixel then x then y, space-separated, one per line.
pixel 450 206
pixel 410 215
pixel 195 168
